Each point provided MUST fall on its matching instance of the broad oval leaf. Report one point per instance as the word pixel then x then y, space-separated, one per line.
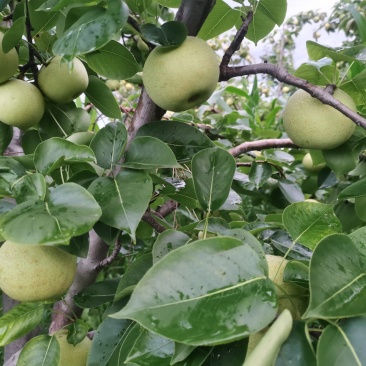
pixel 40 350
pixel 337 279
pixel 149 153
pixel 342 343
pixel 113 61
pixel 171 33
pixel 123 199
pixel 107 341
pixel 69 210
pixel 212 171
pixel 55 152
pixel 102 98
pixel 108 144
pixel 215 290
pixel 184 140
pixel 93 30
pixel 309 222
pixel 19 321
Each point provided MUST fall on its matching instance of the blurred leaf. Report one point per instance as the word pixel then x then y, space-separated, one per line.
pixel 291 191
pixel 56 152
pixel 6 135
pixel 20 320
pixel 227 354
pixel 341 343
pixel 259 173
pixel 78 246
pixel 108 144
pixel 221 18
pixel 227 280
pixel 309 222
pixel 97 294
pixel 337 279
pixel 40 350
pixel 10 172
pixel 69 210
pixel 41 21
pixel 149 153
pixel 13 35
pixel 93 30
pixel 212 171
pixel 30 187
pixel 356 189
pixel 123 199
pixel 102 98
pixel 360 21
pixel 169 34
pixel 77 331
pixel 317 75
pixel 298 273
pixel 184 140
pixel 113 61
pixel 296 350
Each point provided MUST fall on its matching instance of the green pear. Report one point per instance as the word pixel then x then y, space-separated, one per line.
pixel 60 83
pixel 308 164
pixel 181 77
pixel 290 296
pixel 112 84
pixel 311 124
pixel 21 104
pixel 35 272
pixel 72 355
pixel 8 62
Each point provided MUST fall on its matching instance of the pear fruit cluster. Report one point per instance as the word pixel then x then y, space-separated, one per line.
pixel 22 104
pixel 311 124
pixel 35 272
pixel 181 77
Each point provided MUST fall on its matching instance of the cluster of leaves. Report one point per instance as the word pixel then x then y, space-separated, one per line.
pixel 192 294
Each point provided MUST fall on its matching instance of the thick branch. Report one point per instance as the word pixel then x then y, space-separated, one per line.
pixel 281 74
pixel 261 145
pixel 148 218
pixel 85 276
pixel 193 13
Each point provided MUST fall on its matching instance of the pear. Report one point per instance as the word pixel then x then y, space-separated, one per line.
pixel 181 77
pixel 35 272
pixel 60 83
pixel 8 62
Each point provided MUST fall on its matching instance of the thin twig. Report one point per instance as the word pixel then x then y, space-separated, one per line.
pixel 148 218
pixel 108 260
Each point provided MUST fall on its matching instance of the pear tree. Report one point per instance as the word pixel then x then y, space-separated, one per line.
pixel 168 199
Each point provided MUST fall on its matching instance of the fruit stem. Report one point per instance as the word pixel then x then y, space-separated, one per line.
pixel 330 88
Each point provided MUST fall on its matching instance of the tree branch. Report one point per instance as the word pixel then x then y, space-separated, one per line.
pixel 281 74
pixel 261 145
pixel 108 261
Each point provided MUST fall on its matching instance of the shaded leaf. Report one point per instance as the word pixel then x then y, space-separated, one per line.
pixel 171 33
pixel 10 172
pixel 228 283
pixel 13 35
pixel 6 135
pixel 77 331
pixel 30 187
pixel 123 199
pixel 291 191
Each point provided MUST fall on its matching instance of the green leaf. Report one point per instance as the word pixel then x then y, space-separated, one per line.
pixel 184 140
pixel 151 350
pixel 10 172
pixel 259 173
pixel 97 294
pixel 227 354
pixel 317 75
pixel 77 331
pixel 354 53
pixel 69 210
pixel 40 350
pixel 123 199
pixel 3 4
pixel 296 350
pixel 291 191
pixel 19 321
pixel 298 273
pixel 357 189
pixel 341 343
pixel 212 171
pixel 221 18
pixel 360 21
pixel 217 279
pixel 337 279
pixel 13 35
pixel 92 30
pixel 149 153
pixel 171 33
pixel 274 11
pixel 167 241
pixel 310 222
pixel 56 152
pixel 109 143
pixel 109 338
pixel 113 61
pixel 6 135
pixel 30 187
pixel 41 21
pixel 102 98
pixel 133 275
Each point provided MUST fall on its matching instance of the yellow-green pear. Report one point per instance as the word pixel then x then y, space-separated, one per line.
pixel 8 62
pixel 290 296
pixel 21 104
pixel 71 355
pixel 113 84
pixel 60 83
pixel 308 164
pixel 313 125
pixel 181 77
pixel 35 272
